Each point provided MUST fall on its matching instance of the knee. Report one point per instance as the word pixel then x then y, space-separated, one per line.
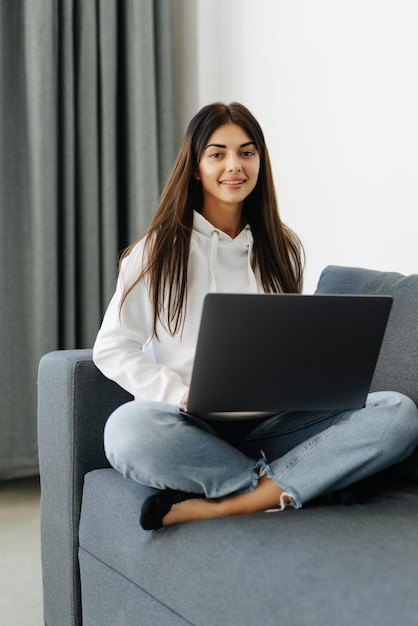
pixel 408 416
pixel 131 430
pixel 400 416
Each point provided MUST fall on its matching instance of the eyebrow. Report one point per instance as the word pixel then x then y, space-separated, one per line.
pixel 220 145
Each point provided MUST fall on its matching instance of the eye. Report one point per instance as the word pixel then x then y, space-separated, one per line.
pixel 215 155
pixel 247 153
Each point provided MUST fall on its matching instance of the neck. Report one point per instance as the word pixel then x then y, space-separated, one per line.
pixel 230 222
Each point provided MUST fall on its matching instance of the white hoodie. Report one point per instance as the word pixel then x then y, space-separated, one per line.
pixel 126 350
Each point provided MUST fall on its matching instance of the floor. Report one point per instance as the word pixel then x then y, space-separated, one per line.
pixel 20 554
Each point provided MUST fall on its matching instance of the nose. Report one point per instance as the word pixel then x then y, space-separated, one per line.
pixel 233 163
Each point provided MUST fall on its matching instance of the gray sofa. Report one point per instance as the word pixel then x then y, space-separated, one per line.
pixel 323 565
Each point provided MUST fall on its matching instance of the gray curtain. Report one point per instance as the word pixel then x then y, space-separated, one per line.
pixel 86 141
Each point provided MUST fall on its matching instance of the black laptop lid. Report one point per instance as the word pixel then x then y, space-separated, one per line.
pixel 274 352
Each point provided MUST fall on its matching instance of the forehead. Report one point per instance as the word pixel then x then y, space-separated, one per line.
pixel 229 135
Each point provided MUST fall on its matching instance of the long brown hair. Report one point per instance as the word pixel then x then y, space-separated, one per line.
pixel 277 250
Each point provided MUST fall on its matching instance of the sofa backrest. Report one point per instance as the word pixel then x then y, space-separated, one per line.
pixel 397 366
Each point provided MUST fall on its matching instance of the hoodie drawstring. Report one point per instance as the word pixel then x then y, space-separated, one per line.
pixel 213 252
pixel 251 276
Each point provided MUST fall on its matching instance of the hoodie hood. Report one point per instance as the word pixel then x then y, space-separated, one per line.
pixel 223 264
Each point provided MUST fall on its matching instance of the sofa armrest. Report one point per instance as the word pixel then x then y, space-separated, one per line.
pixel 74 402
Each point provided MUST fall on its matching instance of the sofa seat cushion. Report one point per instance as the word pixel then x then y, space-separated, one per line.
pixel 321 564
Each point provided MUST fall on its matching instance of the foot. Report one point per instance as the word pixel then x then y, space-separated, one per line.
pixel 266 496
pixel 156 507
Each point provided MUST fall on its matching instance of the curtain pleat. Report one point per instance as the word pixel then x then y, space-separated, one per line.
pixel 86 141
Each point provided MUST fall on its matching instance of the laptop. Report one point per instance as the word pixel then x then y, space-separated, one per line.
pixel 260 354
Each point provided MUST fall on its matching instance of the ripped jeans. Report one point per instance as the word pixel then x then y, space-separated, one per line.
pixel 306 453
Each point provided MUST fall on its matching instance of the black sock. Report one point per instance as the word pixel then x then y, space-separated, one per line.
pixel 156 507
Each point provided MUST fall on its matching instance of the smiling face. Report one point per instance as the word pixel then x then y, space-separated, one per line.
pixel 228 169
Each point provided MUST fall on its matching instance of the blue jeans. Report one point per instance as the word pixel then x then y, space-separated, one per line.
pixel 306 453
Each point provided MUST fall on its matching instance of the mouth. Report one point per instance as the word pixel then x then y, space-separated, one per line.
pixel 232 183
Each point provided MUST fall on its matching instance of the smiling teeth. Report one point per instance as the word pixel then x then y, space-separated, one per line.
pixel 232 182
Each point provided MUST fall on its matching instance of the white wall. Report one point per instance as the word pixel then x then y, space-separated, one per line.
pixel 334 84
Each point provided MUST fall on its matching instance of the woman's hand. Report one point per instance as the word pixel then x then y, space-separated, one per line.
pixel 185 398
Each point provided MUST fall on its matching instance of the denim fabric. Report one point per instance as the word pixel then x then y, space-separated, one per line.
pixel 306 453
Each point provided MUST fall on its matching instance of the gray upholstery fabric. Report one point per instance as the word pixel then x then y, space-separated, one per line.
pixel 397 366
pixel 102 605
pixel 319 566
pixel 74 401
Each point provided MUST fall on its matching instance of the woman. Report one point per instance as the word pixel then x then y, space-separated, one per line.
pixel 217 228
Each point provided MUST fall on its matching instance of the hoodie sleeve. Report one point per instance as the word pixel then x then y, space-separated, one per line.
pixel 118 349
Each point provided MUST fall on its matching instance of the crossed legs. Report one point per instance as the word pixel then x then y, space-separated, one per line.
pixel 200 475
